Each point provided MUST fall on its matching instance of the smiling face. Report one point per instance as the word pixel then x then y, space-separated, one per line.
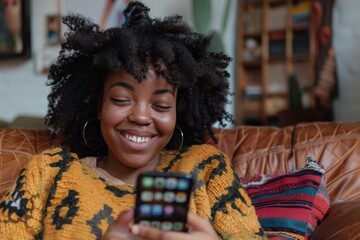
pixel 137 121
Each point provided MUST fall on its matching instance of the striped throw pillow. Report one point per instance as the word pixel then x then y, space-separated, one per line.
pixel 290 205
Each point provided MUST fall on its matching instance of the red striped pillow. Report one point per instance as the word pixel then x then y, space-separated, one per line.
pixel 290 206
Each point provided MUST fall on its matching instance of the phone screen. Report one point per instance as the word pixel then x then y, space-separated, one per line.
pixel 162 200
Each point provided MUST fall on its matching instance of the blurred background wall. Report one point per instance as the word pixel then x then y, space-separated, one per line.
pixel 346 41
pixel 23 90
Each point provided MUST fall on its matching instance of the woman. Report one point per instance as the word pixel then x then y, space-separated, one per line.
pixel 128 100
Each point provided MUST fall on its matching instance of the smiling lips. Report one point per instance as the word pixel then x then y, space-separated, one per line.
pixel 137 139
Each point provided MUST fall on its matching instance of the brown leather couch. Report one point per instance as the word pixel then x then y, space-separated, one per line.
pixel 253 150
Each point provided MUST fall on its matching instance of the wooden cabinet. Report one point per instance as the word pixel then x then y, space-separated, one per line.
pixel 275 40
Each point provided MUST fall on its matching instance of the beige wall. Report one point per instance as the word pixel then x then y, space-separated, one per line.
pixel 346 20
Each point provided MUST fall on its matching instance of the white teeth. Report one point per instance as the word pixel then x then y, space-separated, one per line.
pixel 136 139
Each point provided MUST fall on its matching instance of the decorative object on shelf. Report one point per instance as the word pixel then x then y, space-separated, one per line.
pixel 252 50
pixel 294 93
pixel 15 29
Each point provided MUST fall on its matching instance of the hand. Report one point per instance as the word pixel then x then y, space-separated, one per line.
pixel 199 228
pixel 119 229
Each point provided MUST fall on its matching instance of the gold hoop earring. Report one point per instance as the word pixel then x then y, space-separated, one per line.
pixel 84 135
pixel 181 143
pixel 182 138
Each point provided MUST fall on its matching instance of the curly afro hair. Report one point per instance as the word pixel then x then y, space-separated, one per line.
pixel 90 55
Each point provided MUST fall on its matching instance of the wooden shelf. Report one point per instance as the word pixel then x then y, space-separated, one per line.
pixel 271 2
pixel 252 35
pixel 256 63
pixel 286 41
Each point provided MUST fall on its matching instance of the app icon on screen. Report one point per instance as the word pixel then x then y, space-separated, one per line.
pixel 158 196
pixel 180 197
pixel 178 226
pixel 167 225
pixel 159 183
pixel 183 184
pixel 169 197
pixel 145 223
pixel 155 224
pixel 171 183
pixel 147 182
pixel 168 210
pixel 145 209
pixel 157 210
pixel 146 196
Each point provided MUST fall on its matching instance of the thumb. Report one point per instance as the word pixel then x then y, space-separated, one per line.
pixel 119 229
pixel 122 223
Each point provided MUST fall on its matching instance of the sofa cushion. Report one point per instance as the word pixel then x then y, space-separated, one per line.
pixel 341 222
pixel 11 162
pixel 290 205
pixel 17 147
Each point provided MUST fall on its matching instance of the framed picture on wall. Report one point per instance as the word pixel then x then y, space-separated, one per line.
pixel 106 13
pixel 53 29
pixel 15 29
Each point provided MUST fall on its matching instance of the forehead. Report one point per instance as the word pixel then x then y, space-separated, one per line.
pixel 152 80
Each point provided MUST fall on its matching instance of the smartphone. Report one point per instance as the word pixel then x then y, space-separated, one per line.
pixel 162 200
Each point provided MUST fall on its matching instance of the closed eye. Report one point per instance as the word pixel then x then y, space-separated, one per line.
pixel 121 101
pixel 162 108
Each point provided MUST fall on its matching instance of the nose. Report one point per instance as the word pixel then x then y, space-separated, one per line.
pixel 141 114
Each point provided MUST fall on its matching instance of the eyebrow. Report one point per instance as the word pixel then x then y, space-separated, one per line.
pixel 131 88
pixel 162 91
pixel 123 84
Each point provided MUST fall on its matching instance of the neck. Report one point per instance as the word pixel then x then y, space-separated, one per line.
pixel 127 174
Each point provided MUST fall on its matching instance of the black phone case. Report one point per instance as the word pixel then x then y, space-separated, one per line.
pixel 162 200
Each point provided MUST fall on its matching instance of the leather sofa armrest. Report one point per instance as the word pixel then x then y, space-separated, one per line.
pixel 341 222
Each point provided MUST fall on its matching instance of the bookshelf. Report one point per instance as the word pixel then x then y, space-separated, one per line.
pixel 275 39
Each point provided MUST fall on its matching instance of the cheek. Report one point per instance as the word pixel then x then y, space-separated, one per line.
pixel 110 115
pixel 167 123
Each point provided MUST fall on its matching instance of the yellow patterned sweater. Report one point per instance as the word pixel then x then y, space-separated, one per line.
pixel 58 196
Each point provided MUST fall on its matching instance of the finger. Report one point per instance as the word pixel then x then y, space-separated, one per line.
pixel 124 220
pixel 149 233
pixel 119 228
pixel 116 235
pixel 197 223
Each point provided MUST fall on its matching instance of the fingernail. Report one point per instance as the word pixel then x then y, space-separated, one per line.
pixel 134 229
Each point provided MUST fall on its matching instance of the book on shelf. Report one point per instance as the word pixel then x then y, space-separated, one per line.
pixel 277 44
pixel 277 18
pixel 274 105
pixel 252 92
pixel 301 13
pixel 277 81
pixel 253 19
pixel 301 43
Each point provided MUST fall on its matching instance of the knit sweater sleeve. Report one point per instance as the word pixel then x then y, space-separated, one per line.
pixel 23 206
pixel 232 214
